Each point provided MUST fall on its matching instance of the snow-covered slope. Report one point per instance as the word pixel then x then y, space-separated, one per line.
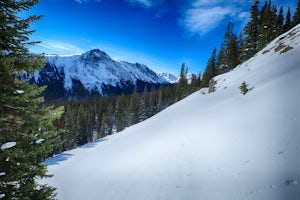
pixel 93 71
pixel 216 146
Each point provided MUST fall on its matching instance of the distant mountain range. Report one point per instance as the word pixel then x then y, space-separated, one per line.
pixel 94 73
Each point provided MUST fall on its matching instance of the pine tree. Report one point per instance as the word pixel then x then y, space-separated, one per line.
pixel 280 21
pixel 296 18
pixel 181 87
pixel 244 88
pixel 268 24
pixel 288 24
pixel 229 53
pixel 121 112
pixel 251 32
pixel 144 105
pixel 133 110
pixel 210 70
pixel 25 123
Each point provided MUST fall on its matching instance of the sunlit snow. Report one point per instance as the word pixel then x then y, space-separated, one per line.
pixel 8 145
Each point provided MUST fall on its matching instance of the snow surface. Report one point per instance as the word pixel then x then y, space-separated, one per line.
pixel 216 146
pixel 8 145
pixel 19 91
pixel 95 68
pixel 39 141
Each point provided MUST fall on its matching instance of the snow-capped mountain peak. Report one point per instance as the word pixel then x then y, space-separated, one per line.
pixel 95 55
pixel 168 77
pixel 94 71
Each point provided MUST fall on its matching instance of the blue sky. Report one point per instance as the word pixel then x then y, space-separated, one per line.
pixel 159 33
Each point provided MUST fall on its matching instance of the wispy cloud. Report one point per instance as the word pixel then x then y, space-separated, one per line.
pixel 84 1
pixel 56 47
pixel 203 20
pixel 145 3
pixel 205 15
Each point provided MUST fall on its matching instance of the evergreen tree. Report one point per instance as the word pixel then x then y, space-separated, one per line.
pixel 210 70
pixel 251 32
pixel 268 24
pixel 133 110
pixel 144 105
pixel 27 132
pixel 229 53
pixel 244 88
pixel 70 134
pixel 280 21
pixel 296 18
pixel 153 102
pixel 181 87
pixel 121 112
pixel 288 24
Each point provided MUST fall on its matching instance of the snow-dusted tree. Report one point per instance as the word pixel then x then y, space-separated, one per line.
pixel 251 32
pixel 268 24
pixel 229 52
pixel 27 133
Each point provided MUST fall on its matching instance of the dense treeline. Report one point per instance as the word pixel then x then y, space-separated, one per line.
pixel 265 24
pixel 86 121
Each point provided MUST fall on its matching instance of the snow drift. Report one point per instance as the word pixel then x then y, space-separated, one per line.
pixel 221 145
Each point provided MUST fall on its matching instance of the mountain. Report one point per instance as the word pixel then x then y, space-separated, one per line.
pixel 93 73
pixel 168 77
pixel 214 146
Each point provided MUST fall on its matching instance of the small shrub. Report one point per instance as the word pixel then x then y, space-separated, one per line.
pixel 244 88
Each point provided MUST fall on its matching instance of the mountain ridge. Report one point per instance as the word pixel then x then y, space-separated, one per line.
pixel 93 73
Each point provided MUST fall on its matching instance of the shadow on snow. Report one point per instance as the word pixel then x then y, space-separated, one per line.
pixel 55 160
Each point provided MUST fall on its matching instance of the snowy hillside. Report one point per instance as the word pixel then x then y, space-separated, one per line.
pixel 216 146
pixel 93 71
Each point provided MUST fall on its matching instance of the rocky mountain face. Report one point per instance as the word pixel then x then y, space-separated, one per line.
pixel 93 74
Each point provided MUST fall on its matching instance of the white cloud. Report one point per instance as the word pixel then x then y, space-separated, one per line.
pixel 145 3
pixel 56 47
pixel 206 3
pixel 205 15
pixel 80 1
pixel 202 20
pixel 84 1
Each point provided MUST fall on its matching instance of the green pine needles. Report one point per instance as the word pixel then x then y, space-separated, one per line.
pixel 244 88
pixel 27 132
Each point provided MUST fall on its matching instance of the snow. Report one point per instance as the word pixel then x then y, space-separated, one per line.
pixel 39 141
pixel 8 145
pixel 19 91
pixel 168 77
pixel 212 146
